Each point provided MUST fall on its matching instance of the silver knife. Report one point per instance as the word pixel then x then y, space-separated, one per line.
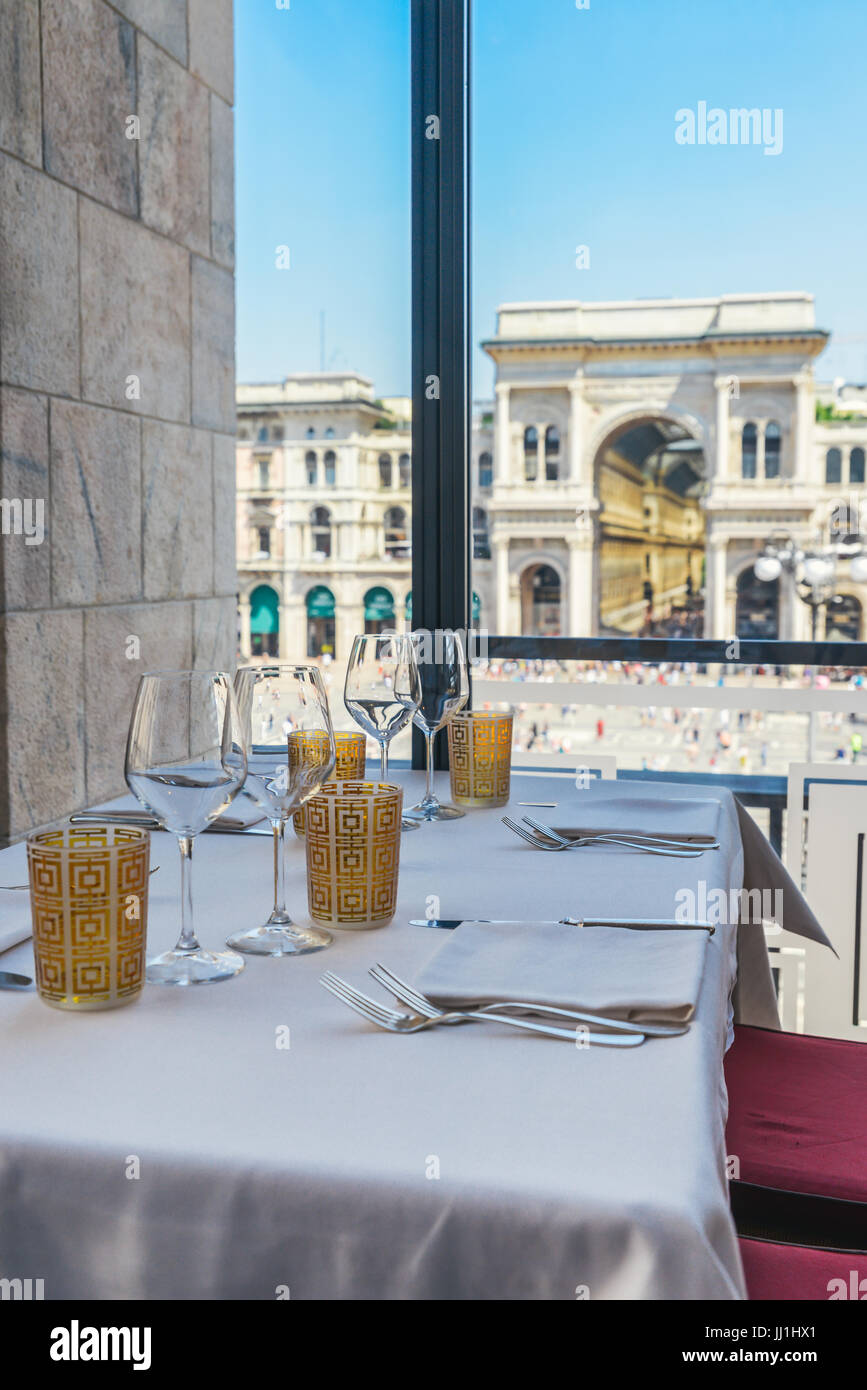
pixel 635 923
pixel 224 825
pixel 8 980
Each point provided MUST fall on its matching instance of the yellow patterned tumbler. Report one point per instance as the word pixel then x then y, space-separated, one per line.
pixel 89 901
pixel 480 757
pixel 350 760
pixel 353 853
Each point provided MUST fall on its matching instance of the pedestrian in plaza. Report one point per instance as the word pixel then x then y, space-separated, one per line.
pixel 855 743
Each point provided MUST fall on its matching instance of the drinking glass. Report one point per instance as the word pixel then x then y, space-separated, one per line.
pixel 185 761
pixel 283 705
pixel 382 690
pixel 445 688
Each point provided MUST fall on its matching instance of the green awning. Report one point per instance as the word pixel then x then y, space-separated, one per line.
pixel 320 602
pixel 378 606
pixel 477 607
pixel 264 611
pixel 408 608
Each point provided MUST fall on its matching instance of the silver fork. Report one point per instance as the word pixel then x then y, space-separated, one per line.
pixel 407 995
pixel 394 1022
pixel 672 842
pixel 555 847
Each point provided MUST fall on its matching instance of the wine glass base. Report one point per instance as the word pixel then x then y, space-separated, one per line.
pixel 406 824
pixel 287 939
pixel 433 810
pixel 199 967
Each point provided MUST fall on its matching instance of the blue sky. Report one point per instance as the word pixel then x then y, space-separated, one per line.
pixel 574 120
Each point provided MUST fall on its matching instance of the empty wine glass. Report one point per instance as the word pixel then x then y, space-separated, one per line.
pixel 382 690
pixel 185 761
pixel 445 688
pixel 290 753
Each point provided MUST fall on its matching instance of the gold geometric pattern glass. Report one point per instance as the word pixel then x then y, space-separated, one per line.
pixel 480 757
pixel 353 853
pixel 89 898
pixel 350 761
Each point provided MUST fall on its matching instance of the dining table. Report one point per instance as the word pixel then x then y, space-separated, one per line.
pixel 255 1139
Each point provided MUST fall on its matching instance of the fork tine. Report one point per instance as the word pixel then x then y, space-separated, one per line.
pixel 526 835
pixel 362 1003
pixel 403 991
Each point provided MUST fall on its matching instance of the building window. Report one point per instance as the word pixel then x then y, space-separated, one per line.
pixel 856 465
pixel 378 610
pixel 552 454
pixel 312 469
pixel 396 534
pixel 773 445
pixel 833 466
pixel 486 470
pixel 481 541
pixel 330 468
pixel 749 450
pixel 329 433
pixel 264 535
pixel 531 453
pixel 277 433
pixel 311 433
pixel 320 523
pixel 320 621
pixel 264 474
pixel 385 470
pixel 262 435
pixel 405 470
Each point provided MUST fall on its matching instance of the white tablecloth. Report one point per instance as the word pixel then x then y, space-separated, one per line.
pixel 463 1163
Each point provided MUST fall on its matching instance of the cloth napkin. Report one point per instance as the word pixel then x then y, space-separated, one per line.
pixel 15 922
pixel 689 817
pixel 637 976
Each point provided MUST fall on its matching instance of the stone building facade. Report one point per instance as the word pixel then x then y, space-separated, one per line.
pixel 117 409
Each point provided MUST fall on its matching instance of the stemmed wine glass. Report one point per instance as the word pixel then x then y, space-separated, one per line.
pixel 186 761
pixel 382 690
pixel 281 706
pixel 445 688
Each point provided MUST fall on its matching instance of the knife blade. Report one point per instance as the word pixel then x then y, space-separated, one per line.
pixel 636 924
pixel 8 980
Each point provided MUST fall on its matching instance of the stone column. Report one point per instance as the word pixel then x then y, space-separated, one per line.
pixel 576 435
pixel 803 426
pixel 540 455
pixel 716 616
pixel 503 435
pixel 245 635
pixel 500 545
pixel 580 611
pixel 722 426
pixel 760 448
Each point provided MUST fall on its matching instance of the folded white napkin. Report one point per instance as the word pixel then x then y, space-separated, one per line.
pixel 15 922
pixel 688 817
pixel 640 976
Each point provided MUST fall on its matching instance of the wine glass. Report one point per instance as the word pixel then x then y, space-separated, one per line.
pixel 445 688
pixel 186 761
pixel 382 690
pixel 283 707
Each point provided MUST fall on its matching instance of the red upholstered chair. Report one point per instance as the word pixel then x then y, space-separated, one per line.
pixel 797 1127
pixel 797 1273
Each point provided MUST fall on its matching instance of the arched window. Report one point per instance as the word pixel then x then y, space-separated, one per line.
pixel 378 610
pixel 385 470
pixel 330 468
pixel 749 450
pixel 486 470
pixel 311 433
pixel 264 621
pixel 263 534
pixel 773 446
pixel 531 453
pixel 833 466
pixel 329 433
pixel 757 607
pixel 481 542
pixel 552 454
pixel 277 432
pixel 312 468
pixel 856 465
pixel 264 474
pixel 320 527
pixel 405 470
pixel 397 543
pixel 262 436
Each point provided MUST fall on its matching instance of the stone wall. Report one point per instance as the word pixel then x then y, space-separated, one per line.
pixel 116 378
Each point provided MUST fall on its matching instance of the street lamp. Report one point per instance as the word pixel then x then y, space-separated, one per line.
pixel 813 571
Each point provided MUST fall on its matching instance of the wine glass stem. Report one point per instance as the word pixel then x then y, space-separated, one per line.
pixel 429 736
pixel 187 940
pixel 279 828
pixel 383 760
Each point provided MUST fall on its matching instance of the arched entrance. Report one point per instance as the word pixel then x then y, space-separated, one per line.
pixel 541 602
pixel 757 607
pixel 264 621
pixel 650 477
pixel 378 610
pixel 320 621
pixel 843 619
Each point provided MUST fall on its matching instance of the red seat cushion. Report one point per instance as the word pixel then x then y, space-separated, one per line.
pixel 798 1112
pixel 795 1272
